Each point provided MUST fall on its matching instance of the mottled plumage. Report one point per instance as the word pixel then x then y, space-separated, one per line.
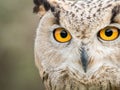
pixel 89 60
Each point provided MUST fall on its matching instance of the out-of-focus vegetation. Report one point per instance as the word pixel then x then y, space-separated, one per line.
pixel 17 33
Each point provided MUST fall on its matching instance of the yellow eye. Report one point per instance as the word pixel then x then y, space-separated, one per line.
pixel 62 35
pixel 109 33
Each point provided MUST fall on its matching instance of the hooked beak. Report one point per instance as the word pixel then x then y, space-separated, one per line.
pixel 84 59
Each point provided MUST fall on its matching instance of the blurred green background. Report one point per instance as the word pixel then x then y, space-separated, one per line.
pixel 17 32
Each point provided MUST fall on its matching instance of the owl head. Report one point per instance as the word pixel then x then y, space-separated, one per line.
pixel 78 43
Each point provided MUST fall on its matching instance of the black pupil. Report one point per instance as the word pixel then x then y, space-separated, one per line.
pixel 63 34
pixel 108 32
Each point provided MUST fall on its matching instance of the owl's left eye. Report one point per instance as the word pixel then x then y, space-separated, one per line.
pixel 109 33
pixel 61 35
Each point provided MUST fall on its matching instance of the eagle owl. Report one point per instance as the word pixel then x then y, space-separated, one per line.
pixel 77 44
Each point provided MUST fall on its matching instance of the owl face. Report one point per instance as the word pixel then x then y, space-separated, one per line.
pixel 81 40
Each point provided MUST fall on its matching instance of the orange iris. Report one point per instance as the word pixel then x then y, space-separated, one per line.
pixel 62 35
pixel 109 33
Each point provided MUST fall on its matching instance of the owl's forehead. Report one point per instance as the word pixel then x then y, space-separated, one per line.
pixel 87 14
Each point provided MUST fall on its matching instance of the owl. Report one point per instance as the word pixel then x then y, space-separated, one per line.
pixel 77 44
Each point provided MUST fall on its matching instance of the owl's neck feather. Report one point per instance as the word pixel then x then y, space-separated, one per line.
pixel 100 80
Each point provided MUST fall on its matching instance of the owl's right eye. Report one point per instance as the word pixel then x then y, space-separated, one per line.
pixel 61 35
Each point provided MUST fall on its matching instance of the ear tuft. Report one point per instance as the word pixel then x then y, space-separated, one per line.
pixel 41 6
pixel 115 14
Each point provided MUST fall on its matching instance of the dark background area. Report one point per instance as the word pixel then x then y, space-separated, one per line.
pixel 17 32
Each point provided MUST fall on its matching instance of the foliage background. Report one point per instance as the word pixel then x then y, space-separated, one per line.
pixel 17 33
